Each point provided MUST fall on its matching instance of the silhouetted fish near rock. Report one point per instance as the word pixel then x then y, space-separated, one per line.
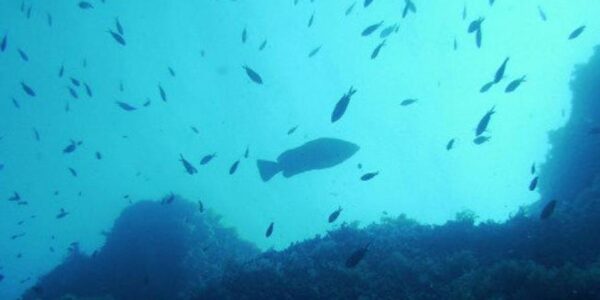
pixel 62 214
pixel 371 28
pixel 533 183
pixel 486 87
pixel 125 106
pixel 357 256
pixel 548 210
pixel 342 105
pixel 513 85
pixel 407 102
pixel 168 199
pixel 368 176
pixel 27 89
pixel 450 145
pixel 409 6
pixel 23 55
pixel 314 51
pixel 85 5
pixel 4 43
pixel 189 168
pixel 317 154
pixel 334 215
pixel 576 33
pixel 234 167
pixel 375 52
pixel 207 158
pixel 117 37
pixel 484 122
pixel 72 147
pixel 253 75
pixel 269 231
pixel 481 139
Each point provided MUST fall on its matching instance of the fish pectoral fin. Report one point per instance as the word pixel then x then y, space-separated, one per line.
pixel 267 169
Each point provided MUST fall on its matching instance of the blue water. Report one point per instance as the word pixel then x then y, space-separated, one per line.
pixel 201 41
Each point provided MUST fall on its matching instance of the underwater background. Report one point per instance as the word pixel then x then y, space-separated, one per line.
pixel 460 163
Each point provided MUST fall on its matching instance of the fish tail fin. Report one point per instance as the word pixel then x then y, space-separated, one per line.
pixel 267 169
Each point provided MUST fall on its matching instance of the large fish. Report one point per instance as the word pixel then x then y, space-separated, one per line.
pixel 317 154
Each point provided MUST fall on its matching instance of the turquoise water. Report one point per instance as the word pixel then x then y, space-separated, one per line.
pixel 201 41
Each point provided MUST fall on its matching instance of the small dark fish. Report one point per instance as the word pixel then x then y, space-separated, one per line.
pixel 450 144
pixel 244 35
pixel 357 256
pixel 533 168
pixel 1 167
pixel 369 176
pixel 36 134
pixel 23 55
pixel 349 9
pixel 195 130
pixel 407 102
pixel 207 158
pixel 168 199
pixel 387 31
pixel 163 94
pixel 247 152
pixel 234 167
pixel 61 71
pixel 269 230
pixel 189 168
pixel 486 87
pixel 98 155
pixel 27 89
pixel 314 51
pixel 478 38
pixel 377 49
pixel 500 72
pixel 310 21
pixel 408 7
pixel 125 106
pixel 28 14
pixel 16 103
pixel 171 71
pixel 262 45
pixel 121 86
pixel 292 130
pixel 49 19
pixel 367 3
pixel 371 28
pixel 576 32
pixel 481 139
pixel 200 206
pixel 342 105
pixel 88 90
pixel 533 183
pixel 62 214
pixel 3 43
pixel 16 236
pixel 85 5
pixel 464 12
pixel 147 103
pixel 15 197
pixel 475 25
pixel 492 2
pixel 73 93
pixel 513 85
pixel 484 122
pixel 117 37
pixel 334 215
pixel 119 27
pixel 253 75
pixel 73 172
pixel 72 146
pixel 542 13
pixel 75 82
pixel 548 210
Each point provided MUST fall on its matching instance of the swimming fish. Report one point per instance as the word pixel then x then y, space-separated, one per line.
pixel 542 13
pixel 548 210
pixel 85 5
pixel 387 31
pixel 314 51
pixel 334 215
pixel 533 183
pixel 168 199
pixel 409 6
pixel 513 85
pixel 200 206
pixel 253 75
pixel 189 168
pixel 36 134
pixel 88 90
pixel 484 122
pixel 371 28
pixel 450 144
pixel 171 71
pixel 207 158
pixel 234 167
pixel 23 55
pixel 15 197
pixel 533 168
pixel 73 93
pixel 342 105
pixel 3 43
pixel 576 32
pixel 500 72
pixel 349 9
pixel 27 89
pixel 357 256
pixel 118 26
pixel 262 45
pixel 369 176
pixel 409 101
pixel 481 139
pixel 317 154
pixel 478 38
pixel 117 37
pixel 269 231
pixel 475 25
pixel 62 214
pixel 73 172
pixel 98 155
pixel 377 49
pixel 125 106
pixel 310 21
pixel 163 94
pixel 244 35
pixel 292 130
pixel 72 146
pixel 75 82
pixel 486 87
pixel 367 3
